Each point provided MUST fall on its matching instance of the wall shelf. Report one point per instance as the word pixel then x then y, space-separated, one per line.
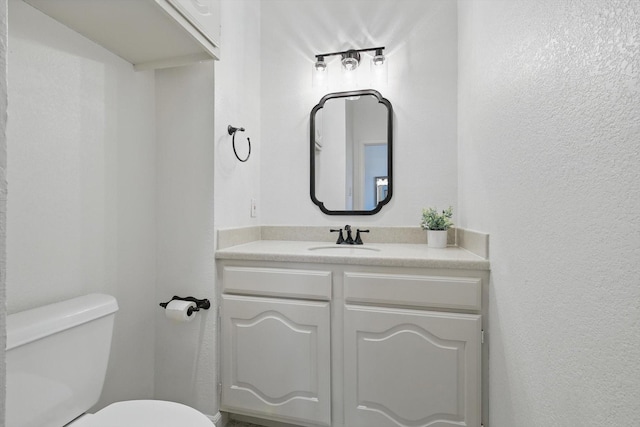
pixel 147 33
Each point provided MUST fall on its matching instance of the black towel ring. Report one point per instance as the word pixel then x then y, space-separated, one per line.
pixel 232 131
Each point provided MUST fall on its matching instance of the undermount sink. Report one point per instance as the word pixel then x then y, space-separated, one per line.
pixel 343 249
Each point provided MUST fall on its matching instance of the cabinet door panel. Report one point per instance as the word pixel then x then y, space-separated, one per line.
pixel 203 15
pixel 276 358
pixel 411 368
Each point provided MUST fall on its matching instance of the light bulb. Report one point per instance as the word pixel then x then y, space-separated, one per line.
pixel 350 60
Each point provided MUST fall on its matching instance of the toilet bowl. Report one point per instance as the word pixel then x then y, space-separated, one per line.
pixel 52 384
pixel 144 413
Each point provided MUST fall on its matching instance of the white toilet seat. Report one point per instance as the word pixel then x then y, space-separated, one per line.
pixel 144 413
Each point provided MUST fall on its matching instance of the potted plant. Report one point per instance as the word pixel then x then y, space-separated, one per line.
pixel 436 225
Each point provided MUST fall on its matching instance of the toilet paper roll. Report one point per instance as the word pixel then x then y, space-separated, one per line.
pixel 179 310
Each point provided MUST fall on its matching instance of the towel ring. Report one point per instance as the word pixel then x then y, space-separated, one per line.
pixel 232 131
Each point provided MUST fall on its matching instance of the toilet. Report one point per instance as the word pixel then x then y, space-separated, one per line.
pixel 57 359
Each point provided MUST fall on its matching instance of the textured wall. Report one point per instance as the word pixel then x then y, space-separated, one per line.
pixel 201 187
pixel 94 178
pixel 185 368
pixel 237 103
pixel 549 165
pixel 81 216
pixel 3 198
pixel 421 41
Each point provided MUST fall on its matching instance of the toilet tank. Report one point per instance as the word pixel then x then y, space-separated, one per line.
pixel 57 359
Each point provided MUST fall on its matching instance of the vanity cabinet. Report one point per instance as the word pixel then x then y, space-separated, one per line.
pixel 353 346
pixel 147 33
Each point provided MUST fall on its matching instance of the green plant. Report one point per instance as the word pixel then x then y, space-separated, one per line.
pixel 432 220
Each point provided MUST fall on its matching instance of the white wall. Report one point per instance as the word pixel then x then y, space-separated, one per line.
pixel 91 191
pixel 237 103
pixel 550 167
pixel 201 187
pixel 81 216
pixel 185 368
pixel 421 44
pixel 3 199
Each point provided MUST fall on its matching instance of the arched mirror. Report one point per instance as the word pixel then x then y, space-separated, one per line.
pixel 351 153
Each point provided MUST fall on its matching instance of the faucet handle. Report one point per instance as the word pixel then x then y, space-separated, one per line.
pixel 349 240
pixel 340 237
pixel 358 238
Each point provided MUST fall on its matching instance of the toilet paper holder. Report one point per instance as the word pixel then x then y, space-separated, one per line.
pixel 201 304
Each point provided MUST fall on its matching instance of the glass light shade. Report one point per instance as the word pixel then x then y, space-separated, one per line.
pixel 350 63
pixel 350 60
pixel 320 64
pixel 349 78
pixel 378 60
pixel 319 76
pixel 379 72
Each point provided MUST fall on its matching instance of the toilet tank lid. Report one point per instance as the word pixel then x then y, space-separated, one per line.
pixel 31 325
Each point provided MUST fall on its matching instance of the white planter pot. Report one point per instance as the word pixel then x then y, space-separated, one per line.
pixel 437 238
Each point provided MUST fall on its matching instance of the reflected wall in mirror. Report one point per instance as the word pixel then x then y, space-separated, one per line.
pixel 351 153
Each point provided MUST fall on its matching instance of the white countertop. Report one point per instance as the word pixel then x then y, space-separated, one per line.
pixel 378 254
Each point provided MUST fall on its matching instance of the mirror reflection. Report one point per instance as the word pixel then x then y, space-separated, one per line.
pixel 351 141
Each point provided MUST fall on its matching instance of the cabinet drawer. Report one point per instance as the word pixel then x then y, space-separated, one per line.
pixel 276 282
pixel 411 290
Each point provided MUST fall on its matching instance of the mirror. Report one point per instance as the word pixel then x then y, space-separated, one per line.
pixel 351 152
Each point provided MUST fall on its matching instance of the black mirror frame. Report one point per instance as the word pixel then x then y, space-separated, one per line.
pixel 312 186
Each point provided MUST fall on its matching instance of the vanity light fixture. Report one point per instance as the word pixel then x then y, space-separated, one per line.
pixel 350 58
pixel 350 64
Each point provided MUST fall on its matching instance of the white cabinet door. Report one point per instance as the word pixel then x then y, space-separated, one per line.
pixel 411 368
pixel 276 358
pixel 203 15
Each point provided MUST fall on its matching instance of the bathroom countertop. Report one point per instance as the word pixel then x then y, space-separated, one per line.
pixel 387 254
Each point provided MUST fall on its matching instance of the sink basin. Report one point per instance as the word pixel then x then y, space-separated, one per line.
pixel 343 250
